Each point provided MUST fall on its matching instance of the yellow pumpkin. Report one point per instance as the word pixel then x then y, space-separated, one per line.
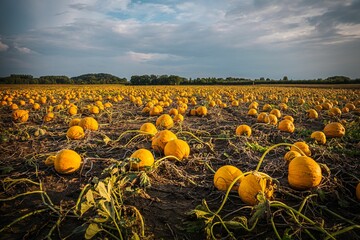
pixel 145 157
pixel 276 112
pixel 267 107
pixel 290 155
pixel 303 147
pixel 94 110
pixel 72 110
pixel 201 111
pixel 252 112
pixel 75 133
pixel 334 111
pixel 165 121
pixel 286 126
pixel 271 119
pixel 155 111
pixel 178 118
pixel 67 161
pixel 313 114
pixel 253 184
pixel 177 148
pixel 89 123
pixel 20 115
pixel 334 129
pixel 358 191
pixel 304 173
pixel 261 117
pixel 225 175
pixel 243 130
pixel 319 137
pixel 161 139
pixel 49 117
pixel 288 117
pixel 173 112
pixel 148 128
pixel 74 122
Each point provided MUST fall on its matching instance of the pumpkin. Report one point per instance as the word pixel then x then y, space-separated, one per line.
pixel 334 111
pixel 243 130
pixel 161 139
pixel 288 117
pixel 261 117
pixel 75 133
pixel 252 112
pixel 212 103
pixel 72 110
pixel 201 111
pixel 304 173
pixel 286 126
pixel 94 110
pixel 271 119
pixel 276 112
pixel 145 157
pixel 154 111
pixel 319 137
pixel 148 128
pixel 20 115
pixel 49 161
pixel 173 112
pixel 67 161
pixel 89 123
pixel 303 147
pixel 192 112
pixel 334 129
pixel 290 155
pixel 253 184
pixel 312 113
pixel 225 175
pixel 74 122
pixel 49 116
pixel 165 121
pixel 267 107
pixel 350 106
pixel 178 118
pixel 358 191
pixel 177 148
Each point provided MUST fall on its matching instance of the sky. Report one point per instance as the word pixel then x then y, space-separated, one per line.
pixel 302 39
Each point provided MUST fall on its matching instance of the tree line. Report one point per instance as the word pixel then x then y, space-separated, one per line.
pixel 91 78
pixel 104 78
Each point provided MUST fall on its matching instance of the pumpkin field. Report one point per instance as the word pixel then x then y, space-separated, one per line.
pixel 179 162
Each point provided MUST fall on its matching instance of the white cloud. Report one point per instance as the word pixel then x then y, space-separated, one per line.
pixel 3 47
pixel 23 50
pixel 146 57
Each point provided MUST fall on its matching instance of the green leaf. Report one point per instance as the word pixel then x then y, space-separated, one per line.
pixel 201 214
pixel 92 230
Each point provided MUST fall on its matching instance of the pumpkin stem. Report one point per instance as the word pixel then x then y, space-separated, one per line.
pixel 271 148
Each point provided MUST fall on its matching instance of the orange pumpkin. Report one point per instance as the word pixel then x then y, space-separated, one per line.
pixel 334 129
pixel 165 121
pixel 89 123
pixel 144 158
pixel 225 175
pixel 286 126
pixel 201 111
pixel 75 133
pixel 20 115
pixel 161 139
pixel 148 128
pixel 243 130
pixel 254 184
pixel 290 155
pixel 67 161
pixel 303 147
pixel 319 137
pixel 177 148
pixel 304 173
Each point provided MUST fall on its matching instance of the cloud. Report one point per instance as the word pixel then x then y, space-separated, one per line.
pixel 24 50
pixel 204 37
pixel 3 47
